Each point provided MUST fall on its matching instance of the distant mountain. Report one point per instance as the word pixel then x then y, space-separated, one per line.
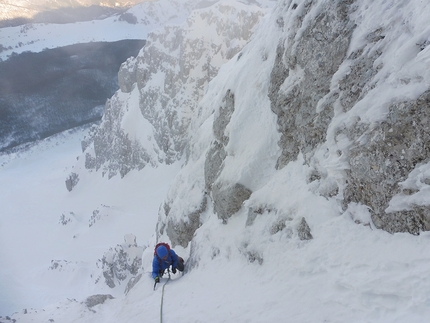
pixel 22 11
pixel 58 76
pixel 65 27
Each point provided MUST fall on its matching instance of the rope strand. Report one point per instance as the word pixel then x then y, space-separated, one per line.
pixel 162 297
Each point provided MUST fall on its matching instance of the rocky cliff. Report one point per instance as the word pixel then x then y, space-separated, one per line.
pixel 147 121
pixel 323 113
pixel 342 88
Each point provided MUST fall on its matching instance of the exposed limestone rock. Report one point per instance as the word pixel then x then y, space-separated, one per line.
pixel 71 181
pixel 387 154
pixel 63 265
pixel 88 139
pixel 179 57
pixel 213 163
pixel 382 154
pixel 127 75
pixel 216 154
pixel 356 84
pixel 304 231
pixel 278 74
pixel 228 199
pixel 309 64
pixel 223 116
pixel 97 299
pixel 254 257
pixel 181 232
pixel 67 218
pixel 278 226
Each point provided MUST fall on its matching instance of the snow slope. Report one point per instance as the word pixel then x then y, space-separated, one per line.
pixel 34 199
pixel 163 86
pixel 348 273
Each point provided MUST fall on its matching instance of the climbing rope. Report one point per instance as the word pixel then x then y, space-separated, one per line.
pixel 162 297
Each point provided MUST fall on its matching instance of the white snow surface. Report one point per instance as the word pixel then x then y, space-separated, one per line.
pixel 348 272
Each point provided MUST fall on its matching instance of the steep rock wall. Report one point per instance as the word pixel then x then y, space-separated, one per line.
pixel 382 152
pixel 342 89
pixel 166 81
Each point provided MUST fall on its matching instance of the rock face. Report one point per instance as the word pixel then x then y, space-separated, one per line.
pixel 304 231
pixel 318 103
pixel 346 112
pixel 228 199
pixel 181 232
pixel 391 151
pixel 311 62
pixel 166 80
pixel 381 154
pixel 71 181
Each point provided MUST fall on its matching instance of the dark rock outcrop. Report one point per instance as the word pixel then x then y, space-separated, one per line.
pixel 304 231
pixel 98 299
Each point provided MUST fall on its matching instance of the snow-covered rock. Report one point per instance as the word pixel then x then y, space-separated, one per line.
pixel 325 85
pixel 167 80
pixel 121 263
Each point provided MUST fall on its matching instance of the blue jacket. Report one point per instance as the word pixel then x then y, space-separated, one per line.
pixel 158 265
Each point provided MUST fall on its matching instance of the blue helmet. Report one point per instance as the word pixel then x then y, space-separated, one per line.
pixel 161 251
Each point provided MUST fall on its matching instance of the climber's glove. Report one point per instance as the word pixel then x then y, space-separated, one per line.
pixel 157 279
pixel 174 270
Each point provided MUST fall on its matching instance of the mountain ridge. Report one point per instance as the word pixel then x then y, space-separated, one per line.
pixel 23 11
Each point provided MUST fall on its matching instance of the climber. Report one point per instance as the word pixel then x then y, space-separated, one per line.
pixel 164 257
